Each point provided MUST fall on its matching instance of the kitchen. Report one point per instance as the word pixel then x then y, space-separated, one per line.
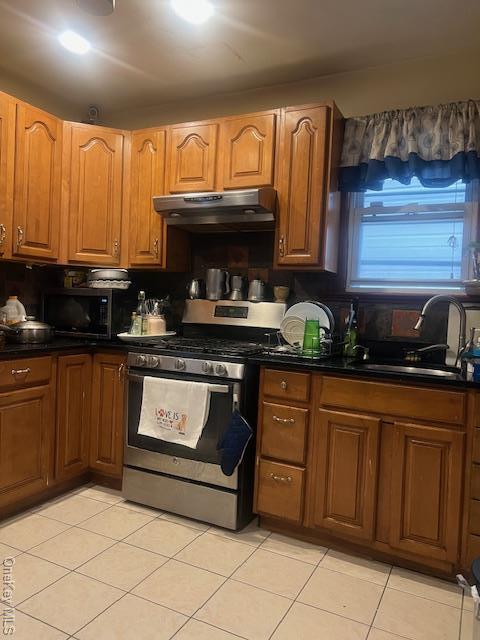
pixel 319 269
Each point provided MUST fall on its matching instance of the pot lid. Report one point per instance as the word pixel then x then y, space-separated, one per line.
pixel 30 323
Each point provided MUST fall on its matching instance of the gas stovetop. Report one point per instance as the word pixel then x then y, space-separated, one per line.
pixel 212 346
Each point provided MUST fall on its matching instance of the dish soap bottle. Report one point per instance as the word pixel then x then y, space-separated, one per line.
pixel 351 334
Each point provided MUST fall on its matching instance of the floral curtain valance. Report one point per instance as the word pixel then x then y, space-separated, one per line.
pixel 439 145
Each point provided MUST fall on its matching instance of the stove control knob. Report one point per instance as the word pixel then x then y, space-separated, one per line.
pixel 180 364
pixel 221 370
pixel 141 361
pixel 207 367
pixel 154 361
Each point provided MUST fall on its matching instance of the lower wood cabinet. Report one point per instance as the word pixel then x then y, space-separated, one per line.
pixel 344 473
pixel 107 414
pixel 26 432
pixel 426 490
pixel 280 490
pixel 74 380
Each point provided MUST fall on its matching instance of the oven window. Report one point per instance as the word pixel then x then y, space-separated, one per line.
pixel 206 451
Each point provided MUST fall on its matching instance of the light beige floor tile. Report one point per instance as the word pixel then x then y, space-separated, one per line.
pixel 71 602
pixel 421 585
pixel 27 628
pixel 467 602
pixel 33 574
pixel 27 531
pixel 307 623
pixel 162 536
pixel 187 522
pixel 132 617
pixel 371 570
pixel 273 572
pixel 244 610
pixel 103 494
pixel 416 618
pixel 378 634
pixel 179 586
pixel 196 630
pixel 251 534
pixel 8 552
pixel 140 508
pixel 73 509
pixel 116 523
pixel 216 554
pixel 72 548
pixel 293 548
pixel 341 594
pixel 122 566
pixel 466 630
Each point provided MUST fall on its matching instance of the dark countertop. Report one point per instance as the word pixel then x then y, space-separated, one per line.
pixel 12 349
pixel 347 366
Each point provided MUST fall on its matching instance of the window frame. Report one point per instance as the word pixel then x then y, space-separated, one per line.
pixel 470 234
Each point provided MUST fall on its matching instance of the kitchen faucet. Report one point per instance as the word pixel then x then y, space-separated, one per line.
pixel 462 340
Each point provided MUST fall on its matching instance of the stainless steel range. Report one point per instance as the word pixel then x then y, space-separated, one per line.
pixel 219 338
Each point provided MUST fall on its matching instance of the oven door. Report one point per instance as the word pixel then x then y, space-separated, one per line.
pixel 200 464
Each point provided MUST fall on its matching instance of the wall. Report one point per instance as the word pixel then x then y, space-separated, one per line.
pixel 412 83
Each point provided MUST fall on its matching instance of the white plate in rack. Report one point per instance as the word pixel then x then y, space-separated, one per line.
pixel 146 339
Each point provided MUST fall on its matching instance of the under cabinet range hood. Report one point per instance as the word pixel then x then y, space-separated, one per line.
pixel 242 210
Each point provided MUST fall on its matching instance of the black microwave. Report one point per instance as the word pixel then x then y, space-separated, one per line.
pixel 88 313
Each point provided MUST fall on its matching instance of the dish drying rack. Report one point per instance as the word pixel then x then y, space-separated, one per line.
pixel 277 345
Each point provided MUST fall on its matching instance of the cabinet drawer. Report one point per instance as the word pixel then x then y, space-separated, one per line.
pixel 280 490
pixel 288 385
pixel 26 372
pixel 439 405
pixel 474 517
pixel 284 432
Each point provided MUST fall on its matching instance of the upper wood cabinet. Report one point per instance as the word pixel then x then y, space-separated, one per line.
pixel 248 147
pixel 38 164
pixel 426 487
pixel 94 170
pixel 308 215
pixel 147 228
pixel 192 157
pixel 344 475
pixel 7 150
pixel 74 380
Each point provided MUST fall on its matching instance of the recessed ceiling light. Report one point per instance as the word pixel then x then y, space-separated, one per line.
pixel 194 11
pixel 74 42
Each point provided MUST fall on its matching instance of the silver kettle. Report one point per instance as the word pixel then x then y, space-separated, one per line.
pixel 256 291
pixel 218 284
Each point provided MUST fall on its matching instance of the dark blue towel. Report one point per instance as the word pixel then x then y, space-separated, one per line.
pixel 234 442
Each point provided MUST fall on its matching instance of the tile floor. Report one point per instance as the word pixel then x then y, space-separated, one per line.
pixel 90 566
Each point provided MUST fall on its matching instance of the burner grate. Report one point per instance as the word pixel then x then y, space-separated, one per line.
pixel 213 346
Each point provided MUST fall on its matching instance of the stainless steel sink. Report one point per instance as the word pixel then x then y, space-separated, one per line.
pixel 419 371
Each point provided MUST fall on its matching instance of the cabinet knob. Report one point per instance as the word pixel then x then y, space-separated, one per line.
pixel 116 248
pixel 155 247
pixel 284 385
pixel 284 420
pixel 3 235
pixel 286 479
pixel 21 372
pixel 281 246
pixel 19 236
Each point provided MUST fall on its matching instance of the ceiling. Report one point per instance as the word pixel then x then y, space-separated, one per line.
pixel 144 55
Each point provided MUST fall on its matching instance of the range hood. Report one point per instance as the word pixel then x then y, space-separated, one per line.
pixel 245 210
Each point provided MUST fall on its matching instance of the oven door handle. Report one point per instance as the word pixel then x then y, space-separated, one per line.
pixel 213 388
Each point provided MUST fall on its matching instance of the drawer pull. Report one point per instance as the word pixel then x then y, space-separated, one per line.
pixel 21 372
pixel 284 385
pixel 277 478
pixel 284 420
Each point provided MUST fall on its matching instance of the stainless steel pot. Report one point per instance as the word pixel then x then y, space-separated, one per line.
pixel 29 331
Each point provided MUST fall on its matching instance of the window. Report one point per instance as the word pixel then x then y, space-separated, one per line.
pixel 410 238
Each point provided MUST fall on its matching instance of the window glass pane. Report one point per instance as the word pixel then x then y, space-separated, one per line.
pixel 396 194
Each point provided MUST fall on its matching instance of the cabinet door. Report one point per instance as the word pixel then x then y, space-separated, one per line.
pixel 107 418
pixel 147 180
pixel 26 430
pixel 74 379
pixel 427 473
pixel 192 158
pixel 7 150
pixel 96 191
pixel 302 185
pixel 249 151
pixel 38 163
pixel 344 484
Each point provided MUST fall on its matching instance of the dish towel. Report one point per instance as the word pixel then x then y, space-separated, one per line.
pixel 174 410
pixel 234 442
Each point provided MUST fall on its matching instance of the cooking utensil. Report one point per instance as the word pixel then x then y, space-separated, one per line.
pixel 218 284
pixel 281 293
pixel 195 289
pixel 107 274
pixel 29 331
pixel 256 291
pixel 236 283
